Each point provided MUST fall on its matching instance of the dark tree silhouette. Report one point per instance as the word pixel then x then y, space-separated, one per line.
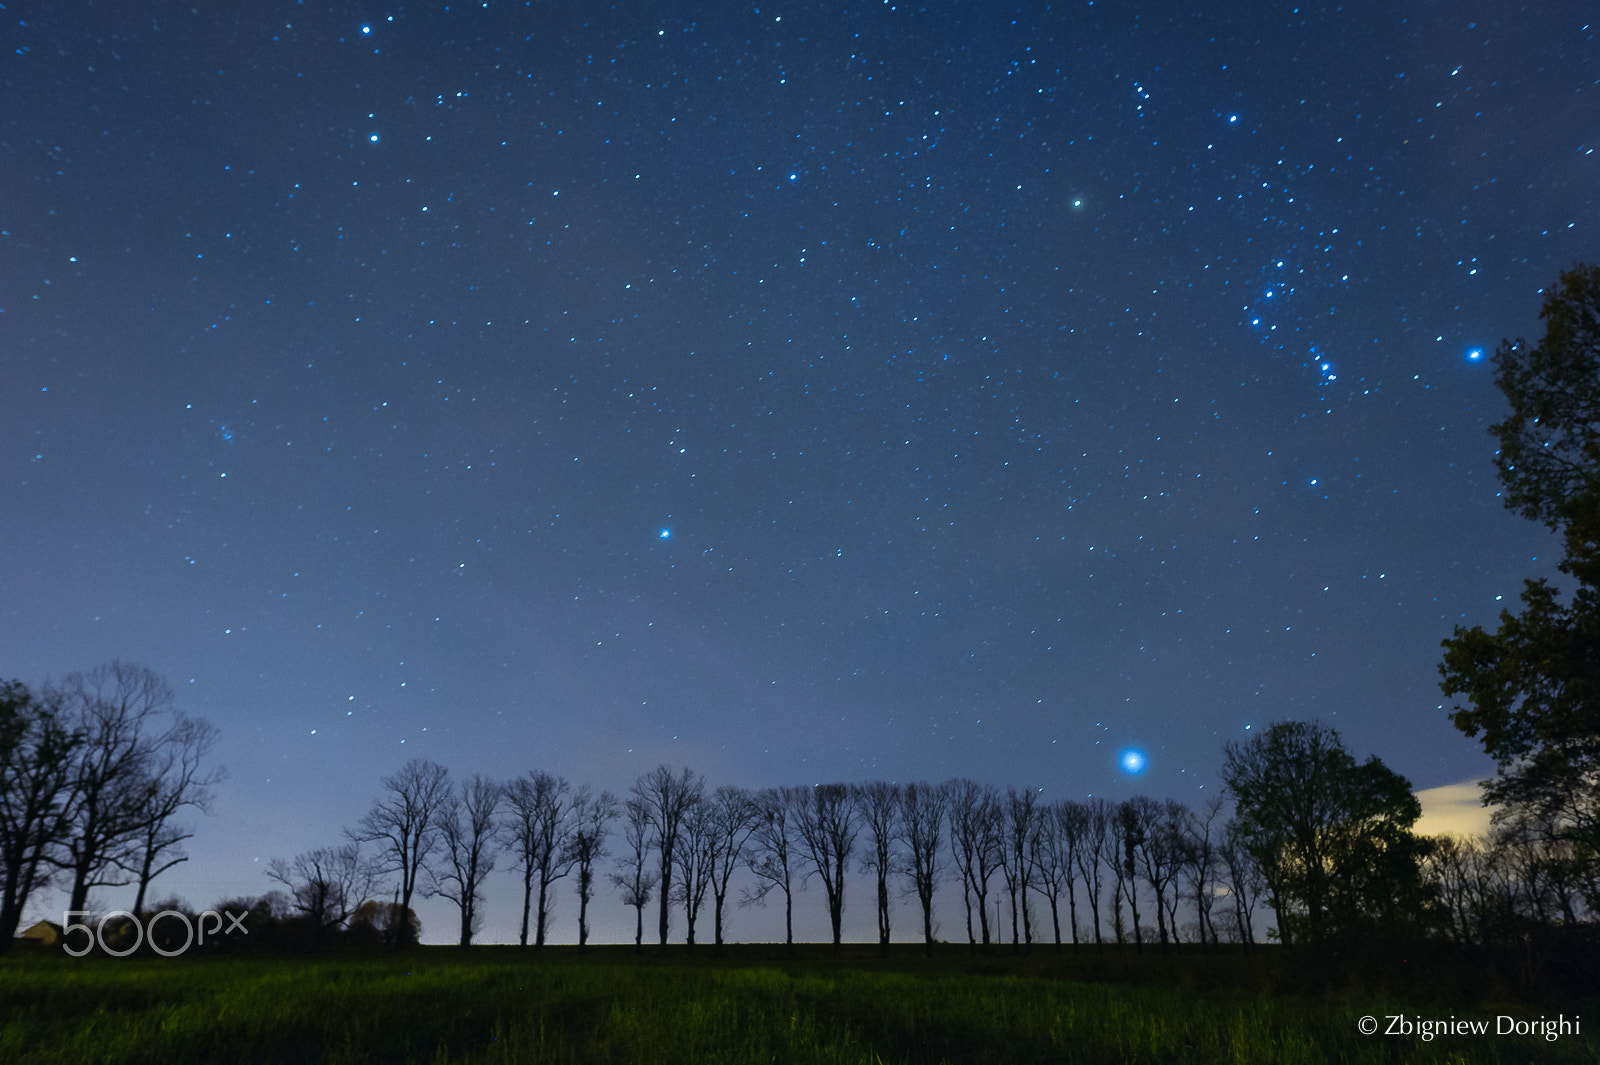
pixel 1245 882
pixel 180 780
pixel 1016 867
pixel 1092 855
pixel 1052 855
pixel 1129 829
pixel 635 882
pixel 121 711
pixel 879 803
pixel 827 823
pixel 1533 686
pixel 773 852
pixel 327 885
pixel 1200 861
pixel 537 830
pixel 922 813
pixel 975 843
pixel 695 857
pixel 1332 837
pixel 466 833
pixel 666 799
pixel 37 754
pixel 591 823
pixel 404 824
pixel 733 817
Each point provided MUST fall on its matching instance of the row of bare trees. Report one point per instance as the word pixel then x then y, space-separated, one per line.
pixel 1524 875
pixel 96 772
pixel 679 844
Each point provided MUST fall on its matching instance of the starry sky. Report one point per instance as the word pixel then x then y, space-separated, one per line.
pixel 795 391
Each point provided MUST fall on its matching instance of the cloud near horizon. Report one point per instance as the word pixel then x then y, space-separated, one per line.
pixel 1453 809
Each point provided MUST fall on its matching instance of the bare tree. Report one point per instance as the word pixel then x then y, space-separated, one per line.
pixel 180 780
pixel 635 882
pixel 37 755
pixel 1020 808
pixel 976 844
pixel 772 858
pixel 120 710
pixel 1127 832
pixel 695 857
pixel 922 810
pixel 1093 853
pixel 879 804
pixel 1200 863
pixel 404 824
pixel 1156 831
pixel 467 831
pixel 826 824
pixel 733 818
pixel 1246 881
pixel 1449 869
pixel 327 884
pixel 1051 846
pixel 537 831
pixel 667 798
pixel 591 818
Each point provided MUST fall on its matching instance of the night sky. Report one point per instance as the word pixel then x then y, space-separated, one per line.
pixel 798 392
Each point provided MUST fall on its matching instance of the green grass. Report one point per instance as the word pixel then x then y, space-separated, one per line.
pixel 497 1005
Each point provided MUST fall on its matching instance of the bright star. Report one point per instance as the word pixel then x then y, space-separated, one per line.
pixel 1475 354
pixel 1132 761
pixel 665 534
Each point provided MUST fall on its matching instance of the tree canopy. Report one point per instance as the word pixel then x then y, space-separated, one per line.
pixel 1532 687
pixel 1331 836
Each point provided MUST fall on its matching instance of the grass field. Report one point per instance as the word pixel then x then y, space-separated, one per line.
pixel 746 1004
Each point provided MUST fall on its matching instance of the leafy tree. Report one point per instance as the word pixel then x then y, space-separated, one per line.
pixel 1332 836
pixel 1533 686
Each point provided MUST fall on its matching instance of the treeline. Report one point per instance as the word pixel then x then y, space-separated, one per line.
pixel 1304 840
pixel 1323 844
